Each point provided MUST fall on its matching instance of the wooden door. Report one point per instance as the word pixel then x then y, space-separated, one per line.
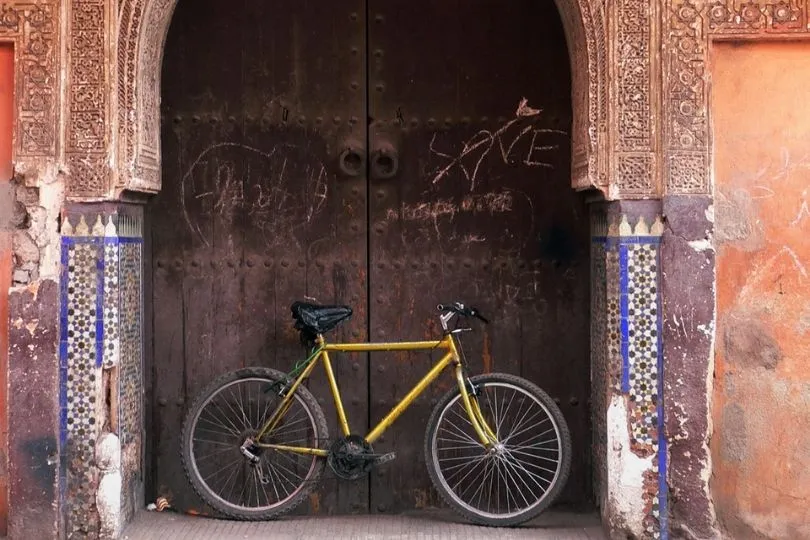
pixel 470 199
pixel 389 155
pixel 263 203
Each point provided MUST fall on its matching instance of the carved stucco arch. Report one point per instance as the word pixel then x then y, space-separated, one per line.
pixel 144 24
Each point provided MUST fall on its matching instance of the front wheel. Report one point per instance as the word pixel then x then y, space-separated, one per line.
pixel 517 478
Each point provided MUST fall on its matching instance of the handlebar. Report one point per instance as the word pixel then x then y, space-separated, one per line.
pixel 461 309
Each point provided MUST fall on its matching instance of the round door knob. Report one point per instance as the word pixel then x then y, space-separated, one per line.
pixel 385 163
pixel 351 161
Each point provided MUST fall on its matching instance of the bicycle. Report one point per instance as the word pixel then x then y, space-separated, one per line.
pixel 497 447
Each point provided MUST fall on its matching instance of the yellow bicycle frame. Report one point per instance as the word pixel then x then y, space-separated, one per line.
pixel 482 430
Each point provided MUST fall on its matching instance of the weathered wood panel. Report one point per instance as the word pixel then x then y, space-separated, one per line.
pixel 463 194
pixel 479 210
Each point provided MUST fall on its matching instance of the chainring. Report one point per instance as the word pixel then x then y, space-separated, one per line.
pixel 350 457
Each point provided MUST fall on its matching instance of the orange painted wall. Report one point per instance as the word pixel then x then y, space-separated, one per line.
pixel 760 107
pixel 6 168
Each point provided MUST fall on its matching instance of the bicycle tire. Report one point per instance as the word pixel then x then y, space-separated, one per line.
pixel 449 403
pixel 192 463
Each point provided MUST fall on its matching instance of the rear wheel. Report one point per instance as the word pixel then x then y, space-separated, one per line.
pixel 520 476
pixel 231 410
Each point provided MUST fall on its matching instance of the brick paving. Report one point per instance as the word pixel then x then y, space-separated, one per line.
pixel 426 525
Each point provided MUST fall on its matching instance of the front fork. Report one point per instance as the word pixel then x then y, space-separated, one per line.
pixel 469 397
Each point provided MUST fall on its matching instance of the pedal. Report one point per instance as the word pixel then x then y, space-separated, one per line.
pixel 385 458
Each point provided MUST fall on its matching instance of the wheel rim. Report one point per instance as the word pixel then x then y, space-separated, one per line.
pixel 220 426
pixel 519 473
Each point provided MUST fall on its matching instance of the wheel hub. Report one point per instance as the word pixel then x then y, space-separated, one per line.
pixel 497 449
pixel 251 450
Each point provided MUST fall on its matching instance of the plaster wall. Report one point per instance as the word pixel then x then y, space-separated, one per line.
pixel 760 449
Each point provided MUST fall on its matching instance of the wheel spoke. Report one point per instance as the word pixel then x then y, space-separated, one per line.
pixel 509 470
pixel 457 431
pixel 461 468
pixel 233 427
pixel 526 429
pixel 513 451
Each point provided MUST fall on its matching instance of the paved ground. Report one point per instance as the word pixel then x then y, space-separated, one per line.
pixel 428 525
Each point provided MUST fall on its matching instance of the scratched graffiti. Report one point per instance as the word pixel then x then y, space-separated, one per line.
pixel 488 203
pixel 521 141
pixel 277 191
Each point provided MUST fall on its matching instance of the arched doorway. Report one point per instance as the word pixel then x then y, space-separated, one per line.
pixel 378 154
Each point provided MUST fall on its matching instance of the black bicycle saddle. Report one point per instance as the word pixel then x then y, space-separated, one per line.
pixel 314 319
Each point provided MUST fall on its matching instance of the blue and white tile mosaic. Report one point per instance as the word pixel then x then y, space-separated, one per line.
pixel 101 332
pixel 80 350
pixel 130 375
pixel 111 341
pixel 633 347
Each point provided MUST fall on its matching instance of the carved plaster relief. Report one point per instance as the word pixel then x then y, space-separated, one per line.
pixel 88 99
pixel 634 104
pixel 34 28
pixel 143 26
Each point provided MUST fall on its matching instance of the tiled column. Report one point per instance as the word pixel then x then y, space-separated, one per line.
pixel 630 448
pixel 101 388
